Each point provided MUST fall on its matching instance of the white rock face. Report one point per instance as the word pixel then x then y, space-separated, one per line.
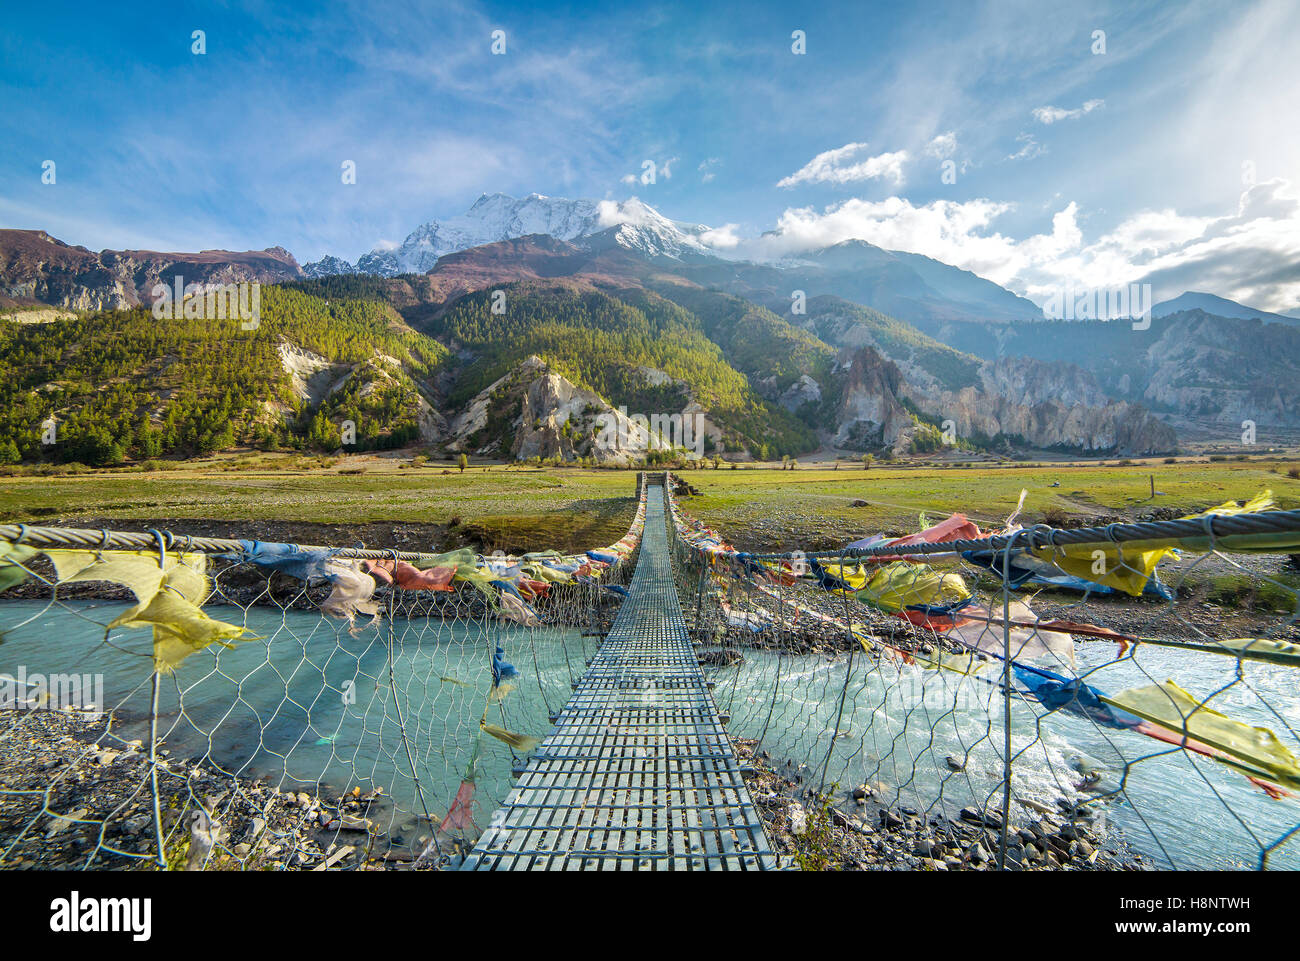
pixel 805 390
pixel 550 416
pixel 314 378
pixel 313 375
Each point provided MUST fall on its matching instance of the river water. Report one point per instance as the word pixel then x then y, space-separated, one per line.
pixel 312 703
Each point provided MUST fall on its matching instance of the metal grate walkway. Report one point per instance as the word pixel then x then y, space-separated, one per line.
pixel 638 772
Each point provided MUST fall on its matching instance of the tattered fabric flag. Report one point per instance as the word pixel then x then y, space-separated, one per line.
pixel 755 621
pixel 481 579
pixel 520 743
pixel 955 528
pixel 460 817
pixel 958 663
pixel 838 577
pixel 1270 542
pixel 1023 568
pixel 1246 648
pixel 501 668
pixel 774 572
pixel 411 578
pixel 352 593
pixel 1262 501
pixel 902 586
pixel 530 589
pixel 288 559
pixel 513 607
pixel 1127 570
pixel 1057 693
pixel 13 557
pixel 1027 639
pixel 452 559
pixel 1255 750
pixel 352 588
pixel 550 572
pixel 168 598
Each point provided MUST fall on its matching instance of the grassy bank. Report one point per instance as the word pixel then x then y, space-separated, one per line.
pixel 514 507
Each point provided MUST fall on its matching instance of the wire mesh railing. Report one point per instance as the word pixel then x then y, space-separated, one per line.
pixel 1099 698
pixel 1102 698
pixel 216 704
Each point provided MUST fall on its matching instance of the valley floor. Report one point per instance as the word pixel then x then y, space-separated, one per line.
pixel 394 500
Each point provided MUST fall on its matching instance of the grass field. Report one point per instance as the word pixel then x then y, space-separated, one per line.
pixel 522 508
pixel 765 509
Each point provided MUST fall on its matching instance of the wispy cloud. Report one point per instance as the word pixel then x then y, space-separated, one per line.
pixel 1029 147
pixel 840 166
pixel 942 146
pixel 1050 115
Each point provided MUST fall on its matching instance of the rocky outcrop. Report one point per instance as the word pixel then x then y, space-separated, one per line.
pixel 314 379
pixel 36 266
pixel 535 412
pixel 869 415
pixel 1209 369
pixel 1017 401
pixel 1048 406
pixel 805 390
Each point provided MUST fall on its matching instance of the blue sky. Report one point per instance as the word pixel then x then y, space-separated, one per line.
pixel 1173 156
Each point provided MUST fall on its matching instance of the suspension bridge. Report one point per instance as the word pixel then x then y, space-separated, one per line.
pixel 638 773
pixel 328 707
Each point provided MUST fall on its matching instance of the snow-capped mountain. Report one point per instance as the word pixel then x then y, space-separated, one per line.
pixel 496 217
pixel 327 266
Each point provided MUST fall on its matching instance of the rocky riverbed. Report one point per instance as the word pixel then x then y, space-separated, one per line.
pixel 73 796
pixel 820 832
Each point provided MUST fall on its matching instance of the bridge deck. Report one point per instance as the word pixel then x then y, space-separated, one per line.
pixel 638 772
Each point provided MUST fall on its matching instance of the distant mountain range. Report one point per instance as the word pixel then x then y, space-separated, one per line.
pixel 496 217
pixel 609 304
pixel 35 267
pixel 1219 307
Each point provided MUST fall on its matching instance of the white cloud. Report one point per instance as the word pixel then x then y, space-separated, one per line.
pixel 721 238
pixel 942 146
pixel 1251 254
pixel 1053 114
pixel 837 167
pixel 706 169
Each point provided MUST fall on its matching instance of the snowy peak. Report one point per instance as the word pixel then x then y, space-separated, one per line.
pixel 497 217
pixel 327 266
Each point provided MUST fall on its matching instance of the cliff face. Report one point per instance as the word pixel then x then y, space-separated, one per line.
pixel 1046 405
pixel 36 266
pixel 869 413
pixel 534 412
pixel 1205 368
